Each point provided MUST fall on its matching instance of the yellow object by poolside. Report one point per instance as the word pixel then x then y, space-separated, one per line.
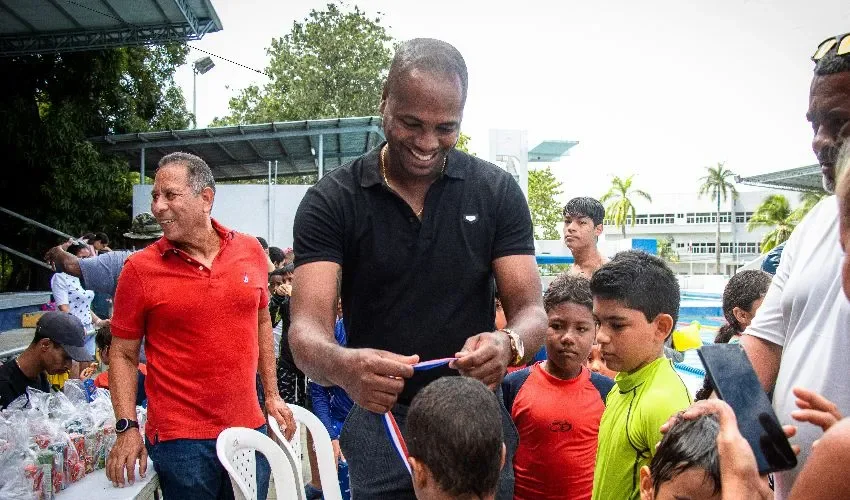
pixel 687 338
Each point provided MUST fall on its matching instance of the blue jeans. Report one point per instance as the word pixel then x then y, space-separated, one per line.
pixel 189 468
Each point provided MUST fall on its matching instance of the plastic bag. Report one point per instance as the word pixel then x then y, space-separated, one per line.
pixel 17 461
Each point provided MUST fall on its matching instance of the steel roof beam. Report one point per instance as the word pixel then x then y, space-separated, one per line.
pixel 280 134
pixel 190 17
pixel 102 39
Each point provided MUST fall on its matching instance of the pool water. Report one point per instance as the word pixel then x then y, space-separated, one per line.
pixel 706 308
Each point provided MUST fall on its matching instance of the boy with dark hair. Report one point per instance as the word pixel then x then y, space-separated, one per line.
pixel 454 440
pixel 686 463
pixel 276 255
pixel 636 305
pixel 582 227
pixel 556 405
pixel 103 340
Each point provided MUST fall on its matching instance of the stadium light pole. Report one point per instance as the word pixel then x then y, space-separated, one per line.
pixel 200 67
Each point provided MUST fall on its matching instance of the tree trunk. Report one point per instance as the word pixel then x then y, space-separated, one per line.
pixel 717 248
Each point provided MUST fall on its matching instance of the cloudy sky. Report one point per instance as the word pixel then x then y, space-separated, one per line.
pixel 658 88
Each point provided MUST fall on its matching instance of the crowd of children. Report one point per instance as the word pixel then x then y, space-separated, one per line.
pixel 645 438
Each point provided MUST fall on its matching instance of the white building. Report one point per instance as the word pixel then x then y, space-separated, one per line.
pixel 691 222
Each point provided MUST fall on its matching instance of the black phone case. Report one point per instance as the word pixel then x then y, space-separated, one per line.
pixel 735 382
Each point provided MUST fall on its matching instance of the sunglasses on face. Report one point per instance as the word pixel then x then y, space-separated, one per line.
pixel 842 41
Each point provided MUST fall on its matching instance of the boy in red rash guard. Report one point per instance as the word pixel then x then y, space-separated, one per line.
pixel 557 404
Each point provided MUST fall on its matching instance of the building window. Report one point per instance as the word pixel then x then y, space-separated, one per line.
pixel 742 217
pixel 701 218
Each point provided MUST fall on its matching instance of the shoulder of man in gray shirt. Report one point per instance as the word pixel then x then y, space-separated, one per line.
pixel 100 273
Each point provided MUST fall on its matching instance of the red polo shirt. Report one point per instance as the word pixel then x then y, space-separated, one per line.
pixel 200 331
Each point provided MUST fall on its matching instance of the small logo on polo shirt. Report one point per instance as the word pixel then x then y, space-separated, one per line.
pixel 471 218
pixel 245 278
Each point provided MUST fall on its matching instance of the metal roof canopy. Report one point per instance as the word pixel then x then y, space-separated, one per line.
pixel 806 178
pixel 46 26
pixel 244 151
pixel 548 151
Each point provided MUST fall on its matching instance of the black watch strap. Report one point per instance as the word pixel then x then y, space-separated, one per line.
pixel 125 424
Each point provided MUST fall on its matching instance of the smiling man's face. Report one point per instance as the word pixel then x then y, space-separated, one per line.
pixel 829 114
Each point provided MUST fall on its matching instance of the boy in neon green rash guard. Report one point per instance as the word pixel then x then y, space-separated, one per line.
pixel 636 304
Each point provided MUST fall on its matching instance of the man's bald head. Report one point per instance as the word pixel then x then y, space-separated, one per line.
pixel 428 55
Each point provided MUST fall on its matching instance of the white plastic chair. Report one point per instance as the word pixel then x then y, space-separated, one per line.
pixel 292 448
pixel 324 450
pixel 236 448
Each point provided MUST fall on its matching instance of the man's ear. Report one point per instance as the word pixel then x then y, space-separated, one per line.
pixel 597 230
pixel 647 491
pixel 664 326
pixel 208 196
pixel 44 344
pixel 384 94
pixel 502 460
pixel 740 314
pixel 421 474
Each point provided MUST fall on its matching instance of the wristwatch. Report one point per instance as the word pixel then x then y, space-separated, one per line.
pixel 124 424
pixel 517 347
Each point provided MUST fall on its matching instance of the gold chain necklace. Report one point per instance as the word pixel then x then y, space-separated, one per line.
pixel 387 181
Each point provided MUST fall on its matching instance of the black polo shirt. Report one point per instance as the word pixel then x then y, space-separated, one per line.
pixel 411 286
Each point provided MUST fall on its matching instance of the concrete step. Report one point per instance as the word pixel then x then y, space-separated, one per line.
pixel 13 342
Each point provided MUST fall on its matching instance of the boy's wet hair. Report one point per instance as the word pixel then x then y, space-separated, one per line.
pixel 584 206
pixel 282 271
pixel 568 288
pixel 454 427
pixel 742 291
pixel 688 444
pixel 639 281
pixel 276 255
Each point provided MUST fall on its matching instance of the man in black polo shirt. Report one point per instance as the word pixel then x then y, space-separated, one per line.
pixel 59 338
pixel 413 234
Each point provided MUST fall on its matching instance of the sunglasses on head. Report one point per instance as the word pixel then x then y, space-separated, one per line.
pixel 842 41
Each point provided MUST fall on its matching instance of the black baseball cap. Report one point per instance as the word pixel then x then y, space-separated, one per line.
pixel 67 331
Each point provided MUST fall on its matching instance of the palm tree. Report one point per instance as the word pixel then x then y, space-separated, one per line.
pixel 774 212
pixel 621 207
pixel 717 184
pixel 808 200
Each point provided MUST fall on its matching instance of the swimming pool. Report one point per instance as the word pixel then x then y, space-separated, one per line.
pixel 706 308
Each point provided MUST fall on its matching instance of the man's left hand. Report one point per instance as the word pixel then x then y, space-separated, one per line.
pixel 277 408
pixel 484 357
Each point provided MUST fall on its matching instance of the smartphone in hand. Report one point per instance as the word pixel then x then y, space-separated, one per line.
pixel 735 382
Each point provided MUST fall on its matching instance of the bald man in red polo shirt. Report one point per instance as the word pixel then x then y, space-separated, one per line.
pixel 198 297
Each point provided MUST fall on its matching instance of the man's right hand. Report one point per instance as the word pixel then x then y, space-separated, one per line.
pixel 129 447
pixel 373 378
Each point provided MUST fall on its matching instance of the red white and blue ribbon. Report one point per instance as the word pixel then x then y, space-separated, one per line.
pixel 391 426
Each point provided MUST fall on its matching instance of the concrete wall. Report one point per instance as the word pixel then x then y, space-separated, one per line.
pixel 246 208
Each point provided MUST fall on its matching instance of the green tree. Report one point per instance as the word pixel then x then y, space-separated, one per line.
pixel 621 208
pixel 667 251
pixel 546 214
pixel 808 200
pixel 774 213
pixel 463 143
pixel 332 64
pixel 50 104
pixel 717 184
